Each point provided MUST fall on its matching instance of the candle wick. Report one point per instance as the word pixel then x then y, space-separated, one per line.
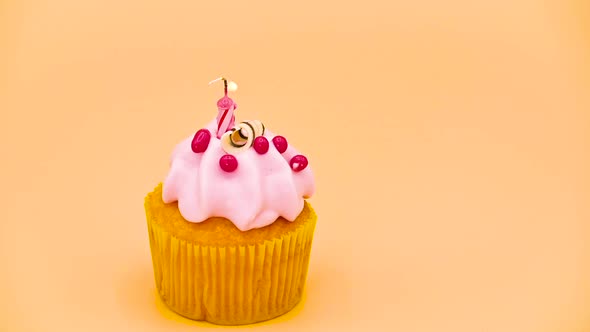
pixel 226 84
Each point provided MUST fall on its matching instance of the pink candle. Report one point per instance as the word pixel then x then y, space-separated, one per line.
pixel 225 112
pixel 225 115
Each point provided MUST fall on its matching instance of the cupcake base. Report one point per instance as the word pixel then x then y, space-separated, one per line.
pixel 212 271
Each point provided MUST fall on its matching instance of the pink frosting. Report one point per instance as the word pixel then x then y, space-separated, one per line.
pixel 261 189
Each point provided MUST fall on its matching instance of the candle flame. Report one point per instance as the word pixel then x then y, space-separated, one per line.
pixel 232 86
pixel 229 85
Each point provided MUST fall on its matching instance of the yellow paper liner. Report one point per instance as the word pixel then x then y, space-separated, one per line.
pixel 231 285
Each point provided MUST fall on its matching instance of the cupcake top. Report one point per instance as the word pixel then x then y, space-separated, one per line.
pixel 249 175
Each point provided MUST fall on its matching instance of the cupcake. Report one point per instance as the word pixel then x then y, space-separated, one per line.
pixel 230 229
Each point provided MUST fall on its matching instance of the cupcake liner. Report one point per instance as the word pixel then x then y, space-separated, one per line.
pixel 231 285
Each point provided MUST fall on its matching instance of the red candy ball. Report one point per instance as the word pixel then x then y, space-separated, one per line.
pixel 298 163
pixel 261 145
pixel 280 143
pixel 228 163
pixel 201 141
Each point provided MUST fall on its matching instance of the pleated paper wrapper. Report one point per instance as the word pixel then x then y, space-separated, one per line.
pixel 231 285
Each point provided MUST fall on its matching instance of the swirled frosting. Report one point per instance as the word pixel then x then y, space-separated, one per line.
pixel 261 189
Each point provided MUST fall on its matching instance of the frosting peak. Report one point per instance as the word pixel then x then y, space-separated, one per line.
pixel 263 186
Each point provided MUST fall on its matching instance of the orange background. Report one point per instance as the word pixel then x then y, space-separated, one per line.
pixel 450 142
